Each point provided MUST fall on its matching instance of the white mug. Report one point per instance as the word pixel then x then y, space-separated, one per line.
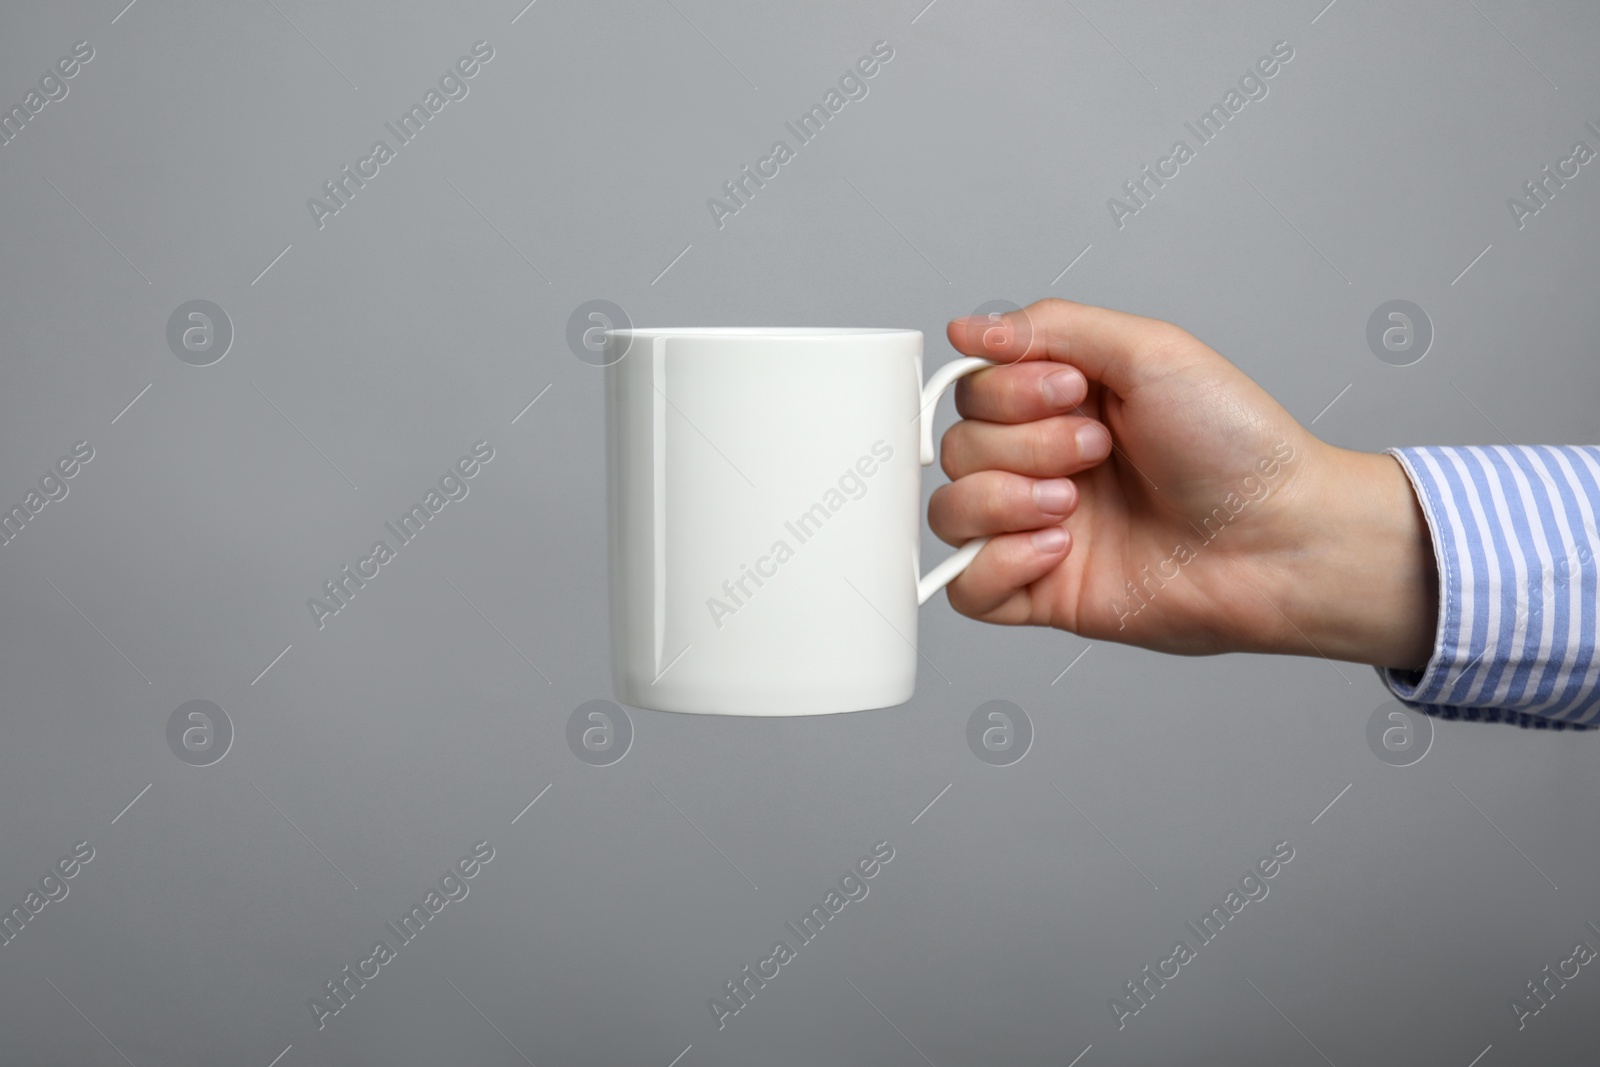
pixel 764 500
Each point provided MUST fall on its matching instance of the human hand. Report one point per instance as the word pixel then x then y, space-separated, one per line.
pixel 1140 488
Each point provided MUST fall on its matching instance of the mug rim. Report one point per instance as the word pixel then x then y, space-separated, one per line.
pixel 774 333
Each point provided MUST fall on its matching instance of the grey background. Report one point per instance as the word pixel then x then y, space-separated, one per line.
pixel 423 317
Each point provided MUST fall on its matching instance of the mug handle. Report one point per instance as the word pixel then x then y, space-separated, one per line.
pixel 942 379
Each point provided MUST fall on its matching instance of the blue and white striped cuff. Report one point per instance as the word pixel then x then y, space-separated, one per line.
pixel 1515 536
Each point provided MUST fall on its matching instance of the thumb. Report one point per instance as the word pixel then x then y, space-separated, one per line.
pixel 1116 349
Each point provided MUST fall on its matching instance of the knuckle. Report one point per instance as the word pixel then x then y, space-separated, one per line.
pixel 960 598
pixel 997 499
pixel 1020 396
pixel 1045 442
pixel 963 393
pixel 974 394
pixel 1163 341
pixel 950 455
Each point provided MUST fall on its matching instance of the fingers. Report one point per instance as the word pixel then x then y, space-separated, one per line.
pixel 995 587
pixel 1113 347
pixel 994 502
pixel 1021 393
pixel 1046 448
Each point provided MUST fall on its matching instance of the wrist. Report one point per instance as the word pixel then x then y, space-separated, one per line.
pixel 1364 586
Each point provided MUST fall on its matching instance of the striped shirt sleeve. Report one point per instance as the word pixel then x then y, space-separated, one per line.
pixel 1515 536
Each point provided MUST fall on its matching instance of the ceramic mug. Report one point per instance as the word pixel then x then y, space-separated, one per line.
pixel 764 510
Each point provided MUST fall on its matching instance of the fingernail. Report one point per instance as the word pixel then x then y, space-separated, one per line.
pixel 1054 497
pixel 1050 541
pixel 1063 388
pixel 1094 443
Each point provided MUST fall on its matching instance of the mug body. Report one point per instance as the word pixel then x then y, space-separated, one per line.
pixel 763 490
